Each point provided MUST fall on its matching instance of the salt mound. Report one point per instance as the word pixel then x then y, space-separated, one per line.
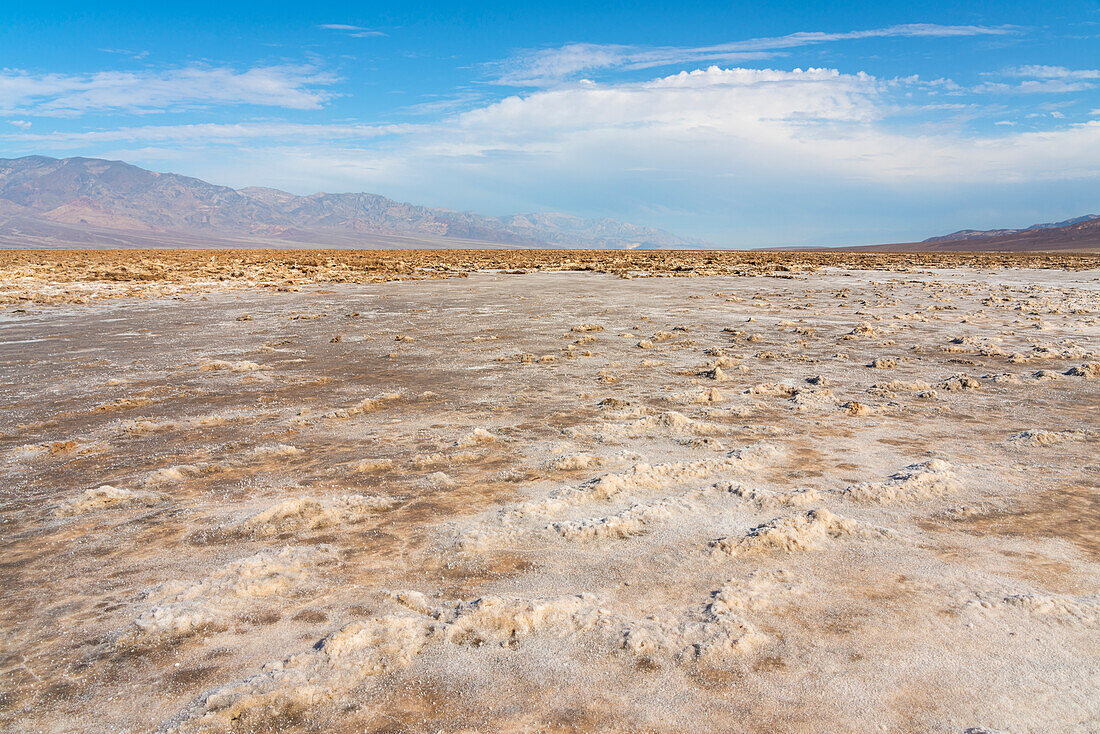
pixel 704 442
pixel 635 520
pixel 309 513
pixel 900 386
pixel 727 413
pixel 1073 610
pixel 356 654
pixel 27 452
pixel 360 651
pixel 1046 375
pixel 476 437
pixel 275 451
pixel 103 497
pixel 1089 370
pixel 425 461
pixel 928 479
pixel 140 426
pixel 184 608
pixel 853 407
pixel 145 425
pixel 221 364
pixel 574 462
pixel 499 619
pixel 801 532
pixel 807 398
pixel 960 382
pixel 1081 610
pixel 772 388
pixel 640 477
pixel 669 422
pixel 712 395
pixel 1004 377
pixel 716 373
pixel 1038 437
pixel 713 636
pixel 177 473
pixel 439 479
pixel 365 406
pixel 373 465
pixel 768 498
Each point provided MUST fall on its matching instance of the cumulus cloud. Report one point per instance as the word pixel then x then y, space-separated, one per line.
pixel 728 124
pixel 705 99
pixel 287 86
pixel 738 122
pixel 701 132
pixel 550 66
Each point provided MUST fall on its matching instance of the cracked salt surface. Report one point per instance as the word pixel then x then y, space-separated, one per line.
pixel 840 501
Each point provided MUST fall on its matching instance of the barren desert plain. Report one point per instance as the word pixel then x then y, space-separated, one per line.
pixel 539 491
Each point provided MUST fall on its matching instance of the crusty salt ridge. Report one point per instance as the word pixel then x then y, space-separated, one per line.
pixel 307 513
pixel 104 497
pixel 800 532
pixel 237 366
pixel 927 479
pixel 565 575
pixel 178 608
pixel 361 651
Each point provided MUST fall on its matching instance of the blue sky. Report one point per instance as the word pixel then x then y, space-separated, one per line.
pixel 742 124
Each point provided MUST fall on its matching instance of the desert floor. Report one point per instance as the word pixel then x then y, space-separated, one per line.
pixel 794 499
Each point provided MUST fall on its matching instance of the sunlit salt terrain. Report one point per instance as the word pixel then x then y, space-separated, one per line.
pixel 840 501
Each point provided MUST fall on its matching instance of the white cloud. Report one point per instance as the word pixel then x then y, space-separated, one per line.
pixel 210 133
pixel 354 31
pixel 550 66
pixel 23 124
pixel 62 95
pixel 726 143
pixel 746 122
pixel 743 126
pixel 707 130
pixel 712 96
pixel 1043 79
pixel 126 52
pixel 1052 72
pixel 1034 86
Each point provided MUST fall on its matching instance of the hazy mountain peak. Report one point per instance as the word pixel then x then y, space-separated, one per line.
pixel 971 234
pixel 93 192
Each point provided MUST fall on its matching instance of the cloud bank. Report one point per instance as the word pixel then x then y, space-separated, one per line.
pixel 552 66
pixel 190 87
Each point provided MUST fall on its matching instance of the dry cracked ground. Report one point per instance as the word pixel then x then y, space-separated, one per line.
pixel 839 500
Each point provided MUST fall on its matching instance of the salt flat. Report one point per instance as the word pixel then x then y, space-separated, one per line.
pixel 835 500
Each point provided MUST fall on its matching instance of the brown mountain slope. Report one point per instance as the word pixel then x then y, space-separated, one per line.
pixel 1079 236
pixel 51 202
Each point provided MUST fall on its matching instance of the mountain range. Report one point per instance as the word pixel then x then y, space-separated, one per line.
pixel 976 234
pixel 50 202
pixel 90 202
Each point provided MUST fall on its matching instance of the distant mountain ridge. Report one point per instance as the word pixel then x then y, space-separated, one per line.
pixel 88 201
pixel 972 234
